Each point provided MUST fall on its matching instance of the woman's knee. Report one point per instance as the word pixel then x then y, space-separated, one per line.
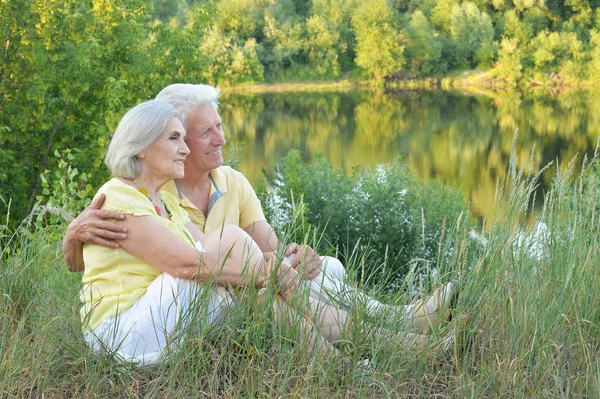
pixel 231 240
pixel 227 235
pixel 332 267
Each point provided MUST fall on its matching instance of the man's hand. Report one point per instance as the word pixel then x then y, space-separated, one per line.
pixel 305 260
pixel 92 227
pixel 288 281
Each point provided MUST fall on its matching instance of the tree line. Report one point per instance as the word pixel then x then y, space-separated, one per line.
pixel 521 41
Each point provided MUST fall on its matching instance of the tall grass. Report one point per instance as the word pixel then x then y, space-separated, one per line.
pixel 527 322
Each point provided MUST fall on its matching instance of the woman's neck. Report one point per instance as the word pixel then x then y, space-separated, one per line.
pixel 151 186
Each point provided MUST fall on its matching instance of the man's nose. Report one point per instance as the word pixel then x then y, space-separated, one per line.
pixel 219 138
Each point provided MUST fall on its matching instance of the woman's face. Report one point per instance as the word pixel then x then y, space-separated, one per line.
pixel 165 157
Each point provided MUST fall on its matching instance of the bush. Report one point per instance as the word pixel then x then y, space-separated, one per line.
pixel 385 209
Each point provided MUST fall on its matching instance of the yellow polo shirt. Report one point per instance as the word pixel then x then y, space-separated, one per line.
pixel 114 279
pixel 232 201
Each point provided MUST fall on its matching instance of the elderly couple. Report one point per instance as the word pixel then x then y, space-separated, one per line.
pixel 155 240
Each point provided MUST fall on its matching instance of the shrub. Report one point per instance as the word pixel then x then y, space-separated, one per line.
pixel 385 209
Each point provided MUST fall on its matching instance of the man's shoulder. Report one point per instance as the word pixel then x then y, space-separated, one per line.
pixel 229 172
pixel 229 175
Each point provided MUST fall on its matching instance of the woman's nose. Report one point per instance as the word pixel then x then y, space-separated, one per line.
pixel 185 149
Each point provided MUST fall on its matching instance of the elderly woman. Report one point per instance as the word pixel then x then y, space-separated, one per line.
pixel 134 295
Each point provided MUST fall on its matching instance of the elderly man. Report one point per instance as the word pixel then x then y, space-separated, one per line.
pixel 215 195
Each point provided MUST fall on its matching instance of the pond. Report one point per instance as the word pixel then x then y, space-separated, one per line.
pixel 455 138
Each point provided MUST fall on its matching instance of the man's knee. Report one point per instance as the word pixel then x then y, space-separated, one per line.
pixel 332 267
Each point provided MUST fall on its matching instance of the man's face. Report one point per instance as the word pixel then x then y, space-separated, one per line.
pixel 205 139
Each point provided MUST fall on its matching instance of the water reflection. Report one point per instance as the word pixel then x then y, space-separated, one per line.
pixel 447 136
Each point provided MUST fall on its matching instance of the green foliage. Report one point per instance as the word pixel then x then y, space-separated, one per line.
pixel 283 42
pixel 594 63
pixel 471 29
pixel 423 49
pixel 384 213
pixel 558 51
pixel 509 60
pixel 60 61
pixel 230 61
pixel 378 48
pixel 65 192
pixel 323 45
pixel 239 18
pixel 515 27
pixel 441 15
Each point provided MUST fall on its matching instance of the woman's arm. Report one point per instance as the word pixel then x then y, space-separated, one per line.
pixel 150 241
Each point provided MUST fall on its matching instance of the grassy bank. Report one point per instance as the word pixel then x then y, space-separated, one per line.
pixel 471 81
pixel 527 322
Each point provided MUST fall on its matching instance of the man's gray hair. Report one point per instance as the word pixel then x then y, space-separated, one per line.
pixel 185 97
pixel 137 130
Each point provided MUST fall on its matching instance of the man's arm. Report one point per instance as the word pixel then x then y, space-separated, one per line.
pixel 91 226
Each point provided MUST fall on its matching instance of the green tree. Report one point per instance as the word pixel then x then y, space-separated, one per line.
pixel 441 15
pixel 509 60
pixel 423 50
pixel 522 5
pixel 515 27
pixel 338 14
pixel 239 18
pixel 60 59
pixel 378 48
pixel 282 45
pixel 323 43
pixel 230 60
pixel 594 63
pixel 470 29
pixel 556 51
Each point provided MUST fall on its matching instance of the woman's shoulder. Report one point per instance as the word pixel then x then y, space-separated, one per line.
pixel 122 197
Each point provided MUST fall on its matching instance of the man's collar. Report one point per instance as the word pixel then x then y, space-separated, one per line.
pixel 218 181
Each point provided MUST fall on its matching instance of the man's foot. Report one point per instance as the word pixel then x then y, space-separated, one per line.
pixel 435 310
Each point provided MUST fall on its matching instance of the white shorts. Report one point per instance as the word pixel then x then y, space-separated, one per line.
pixel 141 333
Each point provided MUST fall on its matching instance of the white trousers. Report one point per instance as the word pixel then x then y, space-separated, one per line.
pixel 141 333
pixel 330 287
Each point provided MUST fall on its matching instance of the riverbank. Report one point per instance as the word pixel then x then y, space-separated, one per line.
pixel 474 82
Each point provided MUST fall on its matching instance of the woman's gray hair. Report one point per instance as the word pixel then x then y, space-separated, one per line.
pixel 137 130
pixel 185 97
